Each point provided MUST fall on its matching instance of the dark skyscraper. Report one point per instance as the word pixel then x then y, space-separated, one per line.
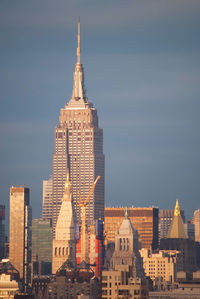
pixel 79 147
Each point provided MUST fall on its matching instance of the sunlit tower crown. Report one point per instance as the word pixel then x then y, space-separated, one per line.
pixel 79 147
pixel 64 244
pixel 177 229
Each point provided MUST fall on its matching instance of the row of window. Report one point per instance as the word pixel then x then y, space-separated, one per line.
pixel 63 251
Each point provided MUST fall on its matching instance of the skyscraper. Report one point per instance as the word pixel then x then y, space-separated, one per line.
pixel 79 147
pixel 47 199
pixel 41 246
pixel 20 234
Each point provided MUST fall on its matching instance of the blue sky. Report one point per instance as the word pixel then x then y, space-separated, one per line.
pixel 142 73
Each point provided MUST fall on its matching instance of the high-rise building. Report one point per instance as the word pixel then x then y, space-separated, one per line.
pixel 79 147
pixel 196 220
pixel 2 230
pixel 64 244
pixel 144 221
pixel 177 239
pixel 41 246
pixel 20 233
pixel 47 199
pixel 189 228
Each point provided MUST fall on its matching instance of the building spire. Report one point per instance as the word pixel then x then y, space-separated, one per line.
pixel 177 209
pixel 176 229
pixel 78 99
pixel 126 212
pixel 67 192
pixel 79 42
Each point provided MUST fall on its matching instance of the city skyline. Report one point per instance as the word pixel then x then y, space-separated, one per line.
pixel 142 74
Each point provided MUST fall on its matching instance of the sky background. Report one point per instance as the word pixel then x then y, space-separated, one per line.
pixel 142 73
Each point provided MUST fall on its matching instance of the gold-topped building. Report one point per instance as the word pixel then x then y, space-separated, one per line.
pixel 64 245
pixel 177 239
pixel 177 229
pixel 79 147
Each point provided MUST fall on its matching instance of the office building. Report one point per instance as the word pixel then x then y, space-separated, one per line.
pixel 79 147
pixel 2 230
pixel 119 284
pixel 64 244
pixel 42 237
pixel 190 230
pixel 144 221
pixel 47 199
pixel 177 239
pixel 161 266
pixel 124 278
pixel 20 233
pixel 196 221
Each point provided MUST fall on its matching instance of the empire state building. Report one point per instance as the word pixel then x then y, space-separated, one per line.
pixel 79 147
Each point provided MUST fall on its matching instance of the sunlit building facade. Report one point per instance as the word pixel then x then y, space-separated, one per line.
pixel 196 221
pixel 47 199
pixel 144 221
pixel 20 232
pixel 64 244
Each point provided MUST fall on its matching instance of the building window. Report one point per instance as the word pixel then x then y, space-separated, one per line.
pixel 120 244
pixel 124 244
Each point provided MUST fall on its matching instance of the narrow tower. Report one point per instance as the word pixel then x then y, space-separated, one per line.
pixel 64 244
pixel 79 147
pixel 20 233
